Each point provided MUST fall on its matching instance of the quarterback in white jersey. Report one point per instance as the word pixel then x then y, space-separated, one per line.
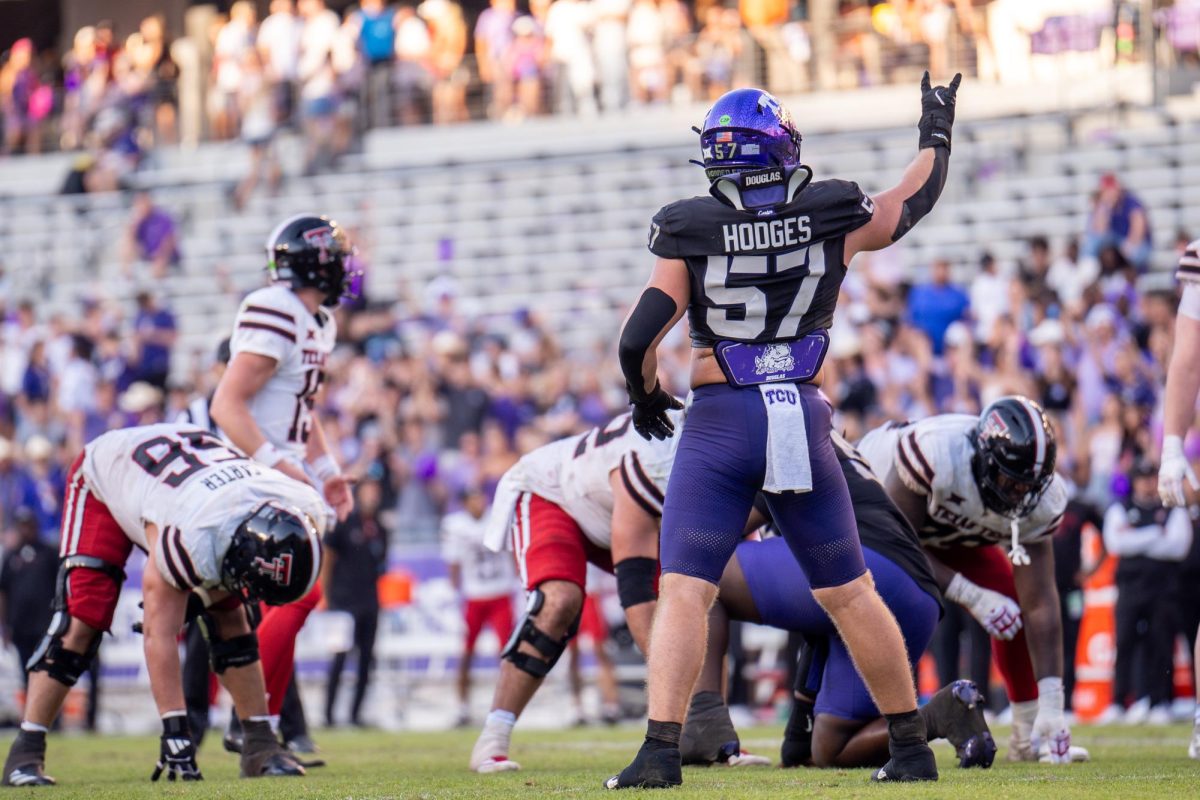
pixel 213 522
pixel 593 498
pixel 973 487
pixel 263 404
pixel 1176 474
pixel 282 337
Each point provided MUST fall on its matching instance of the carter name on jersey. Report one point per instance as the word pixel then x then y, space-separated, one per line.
pixel 772 234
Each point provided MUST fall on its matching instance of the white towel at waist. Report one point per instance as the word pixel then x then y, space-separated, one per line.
pixel 789 468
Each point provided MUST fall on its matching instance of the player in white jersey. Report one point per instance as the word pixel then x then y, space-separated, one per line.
pixel 484 578
pixel 212 522
pixel 594 498
pixel 970 485
pixel 282 337
pixel 1179 409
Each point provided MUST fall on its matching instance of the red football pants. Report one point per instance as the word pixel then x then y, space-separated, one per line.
pixel 990 568
pixel 277 644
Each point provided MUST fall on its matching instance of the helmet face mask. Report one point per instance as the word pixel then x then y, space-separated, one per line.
pixel 1015 451
pixel 274 556
pixel 310 251
pixel 748 129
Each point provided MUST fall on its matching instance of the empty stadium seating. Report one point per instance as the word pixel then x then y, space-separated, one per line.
pixel 553 216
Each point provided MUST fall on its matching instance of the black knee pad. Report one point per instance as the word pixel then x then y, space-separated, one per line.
pixel 61 664
pixel 237 651
pixel 65 666
pixel 548 646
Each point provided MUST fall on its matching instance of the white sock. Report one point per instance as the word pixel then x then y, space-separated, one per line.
pixel 33 727
pixel 1024 714
pixel 498 718
pixel 1195 716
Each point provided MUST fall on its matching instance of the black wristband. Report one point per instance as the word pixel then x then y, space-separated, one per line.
pixel 636 578
pixel 176 725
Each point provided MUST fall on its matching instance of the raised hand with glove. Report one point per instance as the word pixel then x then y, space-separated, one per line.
pixel 999 614
pixel 937 112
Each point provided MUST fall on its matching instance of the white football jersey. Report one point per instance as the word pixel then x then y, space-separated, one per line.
pixel 485 573
pixel 193 487
pixel 933 458
pixel 273 322
pixel 574 473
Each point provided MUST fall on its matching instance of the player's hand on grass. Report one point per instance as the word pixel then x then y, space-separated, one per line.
pixel 999 614
pixel 650 415
pixel 937 112
pixel 176 752
pixel 1174 471
pixel 1050 729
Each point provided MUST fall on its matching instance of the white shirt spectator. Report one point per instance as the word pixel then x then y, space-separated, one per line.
pixel 1168 541
pixel 77 386
pixel 279 41
pixel 316 48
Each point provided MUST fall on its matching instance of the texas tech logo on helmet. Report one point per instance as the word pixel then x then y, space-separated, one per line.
pixel 323 240
pixel 994 426
pixel 278 569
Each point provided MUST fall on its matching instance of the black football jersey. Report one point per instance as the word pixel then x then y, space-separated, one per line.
pixel 767 275
pixel 882 526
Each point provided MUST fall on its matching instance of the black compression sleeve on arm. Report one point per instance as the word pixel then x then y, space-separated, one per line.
pixel 921 203
pixel 653 312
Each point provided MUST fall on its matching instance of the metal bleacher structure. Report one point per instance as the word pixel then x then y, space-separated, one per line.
pixel 552 215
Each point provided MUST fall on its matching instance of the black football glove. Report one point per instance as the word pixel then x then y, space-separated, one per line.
pixel 177 752
pixel 649 414
pixel 937 112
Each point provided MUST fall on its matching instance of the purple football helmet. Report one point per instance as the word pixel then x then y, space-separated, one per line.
pixel 748 129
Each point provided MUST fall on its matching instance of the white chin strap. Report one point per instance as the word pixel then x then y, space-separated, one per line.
pixel 1016 551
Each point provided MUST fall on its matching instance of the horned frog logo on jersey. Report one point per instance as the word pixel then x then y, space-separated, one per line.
pixel 775 358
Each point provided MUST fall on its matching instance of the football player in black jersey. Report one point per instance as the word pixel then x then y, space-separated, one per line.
pixel 757 265
pixel 834 722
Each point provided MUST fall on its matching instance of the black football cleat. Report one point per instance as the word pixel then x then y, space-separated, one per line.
pixel 651 769
pixel 281 765
pixel 25 765
pixel 955 713
pixel 708 735
pixel 913 762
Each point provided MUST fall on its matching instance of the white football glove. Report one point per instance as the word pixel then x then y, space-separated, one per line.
pixel 1050 726
pixel 1175 468
pixel 999 614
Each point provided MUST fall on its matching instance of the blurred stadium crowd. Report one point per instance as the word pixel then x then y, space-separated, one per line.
pixel 305 66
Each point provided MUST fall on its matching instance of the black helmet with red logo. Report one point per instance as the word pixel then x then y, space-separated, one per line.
pixel 308 250
pixel 275 556
pixel 1014 455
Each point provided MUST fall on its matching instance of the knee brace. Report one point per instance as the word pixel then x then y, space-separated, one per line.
pixel 61 664
pixel 548 646
pixel 236 651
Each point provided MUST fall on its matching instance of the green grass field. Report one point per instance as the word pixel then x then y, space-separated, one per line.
pixel 1126 763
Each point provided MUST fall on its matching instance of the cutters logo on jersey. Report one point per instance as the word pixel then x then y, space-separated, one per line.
pixel 322 239
pixel 278 569
pixel 995 427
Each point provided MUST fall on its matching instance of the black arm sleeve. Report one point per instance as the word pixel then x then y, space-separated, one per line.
pixel 653 312
pixel 921 203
